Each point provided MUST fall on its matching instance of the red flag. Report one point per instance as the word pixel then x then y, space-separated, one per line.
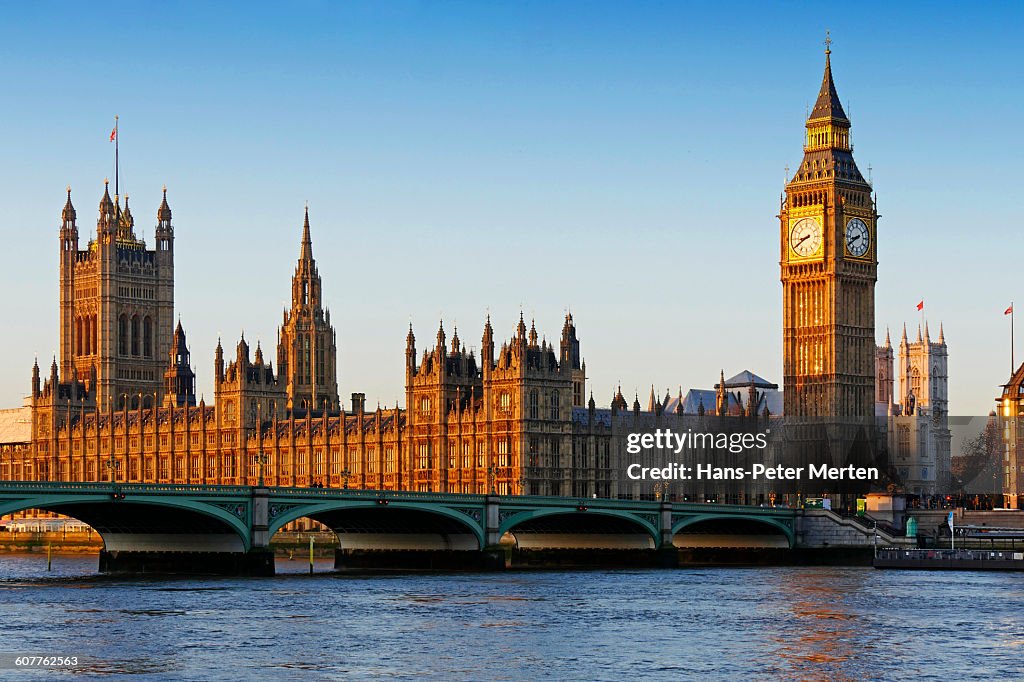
pixel 920 306
pixel 1008 311
pixel 113 134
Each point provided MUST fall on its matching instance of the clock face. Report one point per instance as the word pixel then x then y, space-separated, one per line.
pixel 858 239
pixel 805 237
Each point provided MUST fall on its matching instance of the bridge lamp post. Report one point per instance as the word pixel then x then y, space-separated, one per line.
pixel 490 479
pixel 112 465
pixel 345 474
pixel 261 460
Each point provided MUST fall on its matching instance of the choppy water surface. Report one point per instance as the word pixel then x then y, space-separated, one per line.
pixel 790 623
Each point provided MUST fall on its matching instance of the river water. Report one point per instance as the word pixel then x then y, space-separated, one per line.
pixel 690 623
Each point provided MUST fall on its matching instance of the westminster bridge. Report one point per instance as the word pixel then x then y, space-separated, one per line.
pixel 227 529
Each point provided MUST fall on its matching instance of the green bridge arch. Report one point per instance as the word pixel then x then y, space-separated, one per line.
pixel 508 525
pixel 60 504
pixel 295 512
pixel 765 520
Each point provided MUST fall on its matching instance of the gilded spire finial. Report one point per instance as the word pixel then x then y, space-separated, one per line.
pixel 828 42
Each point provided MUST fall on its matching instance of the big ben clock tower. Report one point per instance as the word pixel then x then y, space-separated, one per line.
pixel 828 238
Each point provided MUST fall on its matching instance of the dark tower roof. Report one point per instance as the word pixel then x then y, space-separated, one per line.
pixel 106 204
pixel 828 104
pixel 68 215
pixel 127 220
pixel 179 344
pixel 163 214
pixel 179 379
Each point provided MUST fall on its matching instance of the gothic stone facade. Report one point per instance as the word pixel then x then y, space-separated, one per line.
pixel 916 420
pixel 121 405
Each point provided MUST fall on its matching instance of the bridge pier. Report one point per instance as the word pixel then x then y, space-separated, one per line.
pixel 667 554
pixel 259 533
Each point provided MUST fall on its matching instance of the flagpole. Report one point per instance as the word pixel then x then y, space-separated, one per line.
pixel 1013 365
pixel 117 160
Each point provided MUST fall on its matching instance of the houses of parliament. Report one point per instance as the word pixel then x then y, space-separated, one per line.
pixel 119 402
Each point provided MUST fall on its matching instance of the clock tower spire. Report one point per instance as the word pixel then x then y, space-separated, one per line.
pixel 828 261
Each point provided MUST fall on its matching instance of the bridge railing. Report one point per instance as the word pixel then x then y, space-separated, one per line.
pixel 333 493
pixel 73 486
pixel 374 494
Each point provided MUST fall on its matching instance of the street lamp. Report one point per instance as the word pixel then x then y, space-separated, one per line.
pixel 345 476
pixel 490 479
pixel 261 459
pixel 658 489
pixel 112 466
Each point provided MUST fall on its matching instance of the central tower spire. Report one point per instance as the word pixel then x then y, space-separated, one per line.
pixel 306 252
pixel 306 350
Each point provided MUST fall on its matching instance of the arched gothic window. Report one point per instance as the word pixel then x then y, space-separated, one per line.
pixel 135 335
pixel 147 337
pixel 122 335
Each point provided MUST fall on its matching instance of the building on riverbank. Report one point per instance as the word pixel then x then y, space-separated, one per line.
pixel 120 404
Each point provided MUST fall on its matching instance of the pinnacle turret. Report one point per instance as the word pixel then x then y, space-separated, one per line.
pixel 163 214
pixel 127 221
pixel 68 215
pixel 107 218
pixel 455 340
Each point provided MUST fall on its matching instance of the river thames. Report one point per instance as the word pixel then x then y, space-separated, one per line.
pixel 689 623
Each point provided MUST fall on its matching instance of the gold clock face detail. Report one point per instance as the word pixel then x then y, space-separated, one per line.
pixel 858 238
pixel 805 237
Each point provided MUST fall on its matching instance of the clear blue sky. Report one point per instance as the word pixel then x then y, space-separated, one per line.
pixel 624 159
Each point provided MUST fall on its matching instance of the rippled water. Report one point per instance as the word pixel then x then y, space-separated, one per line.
pixel 791 623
